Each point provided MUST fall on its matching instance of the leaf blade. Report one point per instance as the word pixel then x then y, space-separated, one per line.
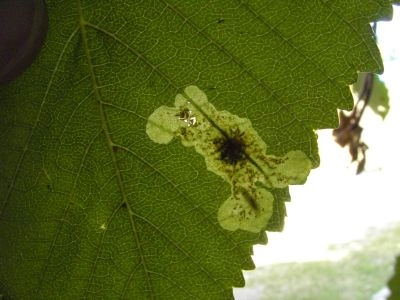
pixel 91 206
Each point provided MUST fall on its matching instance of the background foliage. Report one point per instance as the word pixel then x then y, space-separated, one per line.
pixel 90 206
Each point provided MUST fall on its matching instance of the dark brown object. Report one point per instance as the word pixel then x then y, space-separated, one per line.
pixel 231 148
pixel 349 131
pixel 23 28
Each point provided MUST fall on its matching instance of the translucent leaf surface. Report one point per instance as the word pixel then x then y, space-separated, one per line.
pixel 90 207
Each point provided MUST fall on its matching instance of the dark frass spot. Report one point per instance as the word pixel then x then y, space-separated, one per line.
pixel 232 149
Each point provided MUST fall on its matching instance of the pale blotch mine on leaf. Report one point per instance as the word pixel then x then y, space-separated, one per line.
pixel 161 127
pixel 233 150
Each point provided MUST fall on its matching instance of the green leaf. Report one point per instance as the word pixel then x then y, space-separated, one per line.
pixel 90 206
pixel 394 282
pixel 379 98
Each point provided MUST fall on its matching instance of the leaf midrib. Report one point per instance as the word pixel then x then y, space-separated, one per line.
pixel 111 146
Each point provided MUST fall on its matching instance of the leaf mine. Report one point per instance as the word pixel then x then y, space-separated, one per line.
pixel 233 150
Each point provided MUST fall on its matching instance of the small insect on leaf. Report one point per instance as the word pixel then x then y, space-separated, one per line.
pixel 249 198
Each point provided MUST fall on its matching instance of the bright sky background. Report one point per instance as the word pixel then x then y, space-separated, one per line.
pixel 335 205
